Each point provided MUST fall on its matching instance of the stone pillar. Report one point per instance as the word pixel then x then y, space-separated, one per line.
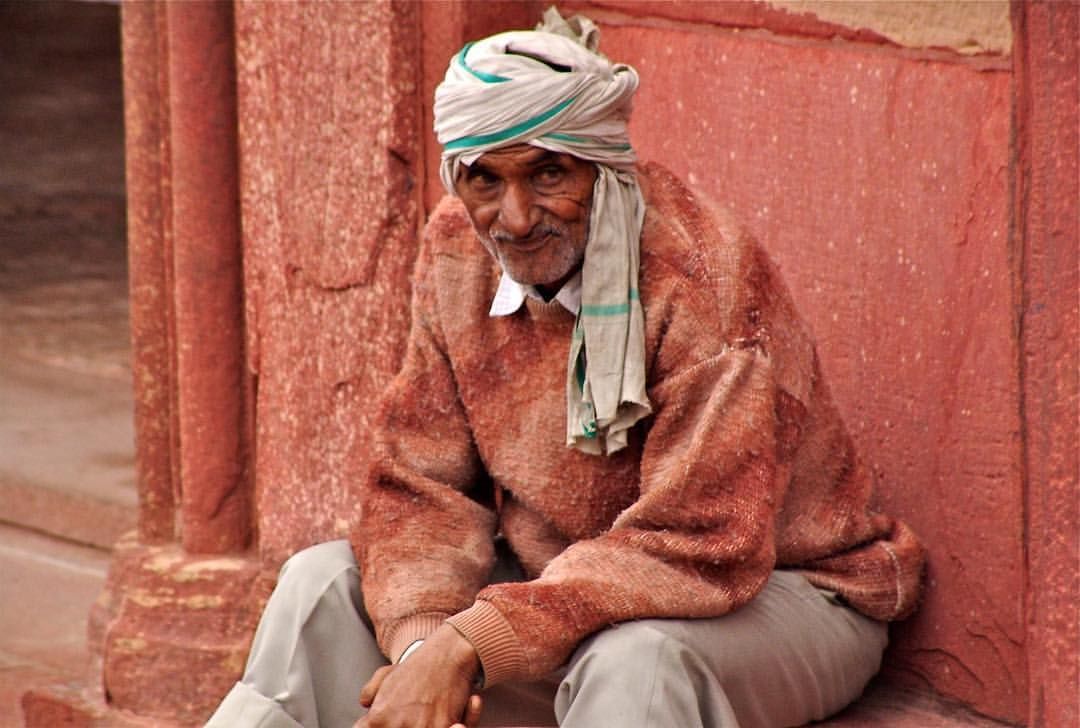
pixel 1046 189
pixel 149 269
pixel 186 277
pixel 329 112
pixel 207 275
pixel 175 620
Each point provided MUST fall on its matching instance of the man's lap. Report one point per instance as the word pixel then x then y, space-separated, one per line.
pixel 790 655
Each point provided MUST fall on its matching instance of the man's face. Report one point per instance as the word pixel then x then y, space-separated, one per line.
pixel 530 208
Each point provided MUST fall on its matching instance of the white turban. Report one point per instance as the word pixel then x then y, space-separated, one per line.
pixel 550 89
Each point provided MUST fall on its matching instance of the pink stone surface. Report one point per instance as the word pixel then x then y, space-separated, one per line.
pixel 1048 189
pixel 207 293
pixel 146 173
pixel 175 629
pixel 329 130
pixel 880 182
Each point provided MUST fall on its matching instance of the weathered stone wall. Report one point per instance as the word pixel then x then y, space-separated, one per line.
pixel 329 123
pixel 1047 228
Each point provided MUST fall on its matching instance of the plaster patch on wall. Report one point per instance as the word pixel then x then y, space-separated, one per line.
pixel 968 27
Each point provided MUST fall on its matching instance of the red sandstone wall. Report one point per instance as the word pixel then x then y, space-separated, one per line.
pixel 881 184
pixel 329 123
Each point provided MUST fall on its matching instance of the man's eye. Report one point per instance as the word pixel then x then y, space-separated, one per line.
pixel 548 176
pixel 483 180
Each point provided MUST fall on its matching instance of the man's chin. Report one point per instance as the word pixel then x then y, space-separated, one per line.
pixel 534 271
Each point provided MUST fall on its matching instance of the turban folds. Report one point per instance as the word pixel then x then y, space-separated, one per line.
pixel 535 87
pixel 550 89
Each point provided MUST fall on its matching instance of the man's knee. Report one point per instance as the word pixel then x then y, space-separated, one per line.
pixel 634 653
pixel 636 673
pixel 315 568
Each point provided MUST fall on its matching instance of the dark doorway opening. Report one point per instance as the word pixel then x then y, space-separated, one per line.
pixel 66 450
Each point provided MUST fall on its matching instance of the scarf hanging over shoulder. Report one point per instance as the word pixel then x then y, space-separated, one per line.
pixel 551 89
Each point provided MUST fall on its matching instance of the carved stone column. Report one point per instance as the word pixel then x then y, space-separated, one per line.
pixel 175 620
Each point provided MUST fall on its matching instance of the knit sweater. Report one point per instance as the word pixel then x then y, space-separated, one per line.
pixel 743 467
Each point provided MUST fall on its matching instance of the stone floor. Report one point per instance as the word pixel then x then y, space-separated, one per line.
pixel 66 453
pixel 47 588
pixel 66 443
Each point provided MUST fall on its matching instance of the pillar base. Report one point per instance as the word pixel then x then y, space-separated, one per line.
pixel 169 634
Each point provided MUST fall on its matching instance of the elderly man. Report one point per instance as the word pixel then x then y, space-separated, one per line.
pixel 610 487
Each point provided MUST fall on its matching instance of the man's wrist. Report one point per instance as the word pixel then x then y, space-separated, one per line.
pixel 478 678
pixel 474 665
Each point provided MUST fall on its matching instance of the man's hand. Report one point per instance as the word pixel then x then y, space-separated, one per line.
pixel 432 689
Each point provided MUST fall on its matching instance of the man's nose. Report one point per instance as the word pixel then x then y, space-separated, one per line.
pixel 516 213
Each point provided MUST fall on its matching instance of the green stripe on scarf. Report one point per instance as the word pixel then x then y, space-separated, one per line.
pixel 485 77
pixel 513 131
pixel 613 309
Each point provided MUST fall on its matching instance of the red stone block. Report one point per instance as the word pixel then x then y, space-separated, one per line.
pixel 176 629
pixel 50 708
pixel 1048 184
pixel 329 115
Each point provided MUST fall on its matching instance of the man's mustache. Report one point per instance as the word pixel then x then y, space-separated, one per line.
pixel 537 233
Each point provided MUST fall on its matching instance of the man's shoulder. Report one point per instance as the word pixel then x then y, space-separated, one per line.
pixel 689 235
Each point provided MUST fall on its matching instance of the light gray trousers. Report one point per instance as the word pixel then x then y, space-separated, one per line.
pixel 790 656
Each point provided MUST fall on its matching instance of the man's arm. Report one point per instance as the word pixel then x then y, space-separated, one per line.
pixel 424 542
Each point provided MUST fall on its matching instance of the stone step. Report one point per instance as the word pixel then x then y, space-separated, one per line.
pixel 889 706
pixel 63 513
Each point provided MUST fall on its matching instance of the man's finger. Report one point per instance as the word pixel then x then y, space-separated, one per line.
pixel 371 689
pixel 472 711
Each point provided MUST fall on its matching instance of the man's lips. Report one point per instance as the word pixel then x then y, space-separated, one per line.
pixel 528 245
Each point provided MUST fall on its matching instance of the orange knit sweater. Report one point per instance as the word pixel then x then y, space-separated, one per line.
pixel 743 467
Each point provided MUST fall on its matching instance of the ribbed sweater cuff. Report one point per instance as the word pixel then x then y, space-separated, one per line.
pixel 408 630
pixel 501 655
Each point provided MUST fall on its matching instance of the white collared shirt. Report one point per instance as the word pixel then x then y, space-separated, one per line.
pixel 511 295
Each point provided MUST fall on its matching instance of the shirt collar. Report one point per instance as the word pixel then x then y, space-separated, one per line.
pixel 511 295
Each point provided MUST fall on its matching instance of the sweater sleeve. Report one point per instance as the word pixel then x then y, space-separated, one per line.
pixel 424 537
pixel 698 542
